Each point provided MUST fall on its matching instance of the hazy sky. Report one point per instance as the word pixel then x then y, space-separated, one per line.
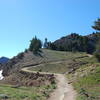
pixel 20 20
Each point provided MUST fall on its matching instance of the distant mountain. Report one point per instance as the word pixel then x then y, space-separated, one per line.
pixel 4 60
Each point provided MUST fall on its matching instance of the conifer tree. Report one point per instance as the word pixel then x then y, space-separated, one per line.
pixel 97 25
pixel 35 45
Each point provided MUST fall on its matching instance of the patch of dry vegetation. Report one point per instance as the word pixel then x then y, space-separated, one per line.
pixel 86 80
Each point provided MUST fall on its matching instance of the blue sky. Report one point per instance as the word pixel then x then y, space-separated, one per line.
pixel 20 20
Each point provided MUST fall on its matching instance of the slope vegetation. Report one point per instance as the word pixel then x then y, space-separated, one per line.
pixel 28 59
pixel 86 80
pixel 81 69
pixel 17 84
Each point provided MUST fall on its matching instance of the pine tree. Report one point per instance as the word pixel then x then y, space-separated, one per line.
pixel 35 45
pixel 97 25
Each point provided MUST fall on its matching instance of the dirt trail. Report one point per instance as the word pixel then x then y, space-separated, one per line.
pixel 64 91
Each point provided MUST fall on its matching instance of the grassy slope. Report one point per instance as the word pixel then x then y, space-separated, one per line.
pixel 46 56
pixel 59 55
pixel 87 80
pixel 83 79
pixel 53 68
pixel 61 59
pixel 26 93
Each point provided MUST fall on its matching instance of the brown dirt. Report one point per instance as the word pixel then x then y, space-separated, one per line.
pixel 64 90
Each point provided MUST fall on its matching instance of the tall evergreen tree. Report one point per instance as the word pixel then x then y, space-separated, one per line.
pixel 35 45
pixel 97 25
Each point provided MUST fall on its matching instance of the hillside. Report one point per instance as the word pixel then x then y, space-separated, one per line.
pixel 58 46
pixel 81 69
pixel 82 72
pixel 18 80
pixel 28 59
pixel 86 80
pixel 75 42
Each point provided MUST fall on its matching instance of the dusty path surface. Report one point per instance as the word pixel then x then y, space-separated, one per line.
pixel 64 91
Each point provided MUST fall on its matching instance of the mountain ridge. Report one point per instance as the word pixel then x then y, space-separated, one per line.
pixel 75 42
pixel 4 60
